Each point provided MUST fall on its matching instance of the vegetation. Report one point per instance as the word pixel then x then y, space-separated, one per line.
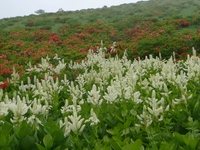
pixel 40 11
pixel 141 28
pixel 130 94
pixel 113 103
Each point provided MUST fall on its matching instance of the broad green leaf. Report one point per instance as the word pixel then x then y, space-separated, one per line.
pixel 118 141
pixel 48 141
pixel 169 146
pixel 118 117
pixel 86 137
pixel 127 123
pixel 58 148
pixel 126 140
pixel 50 126
pixel 40 147
pixel 106 139
pixel 105 147
pixel 133 112
pixel 112 132
pixel 115 145
pixel 4 140
pixel 25 130
pixel 190 141
pixel 6 128
pixel 125 131
pixel 57 136
pixel 137 145
pixel 124 112
pixel 27 142
pixel 178 137
pixel 193 144
pixel 6 148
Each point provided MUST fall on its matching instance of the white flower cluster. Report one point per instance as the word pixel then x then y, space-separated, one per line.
pixel 46 66
pixel 105 80
pixel 121 79
pixel 36 97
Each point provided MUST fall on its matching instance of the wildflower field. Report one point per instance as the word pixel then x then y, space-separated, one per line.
pixel 102 102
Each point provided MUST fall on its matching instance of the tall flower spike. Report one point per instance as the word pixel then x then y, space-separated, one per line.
pixel 76 123
pixel 194 52
pixel 3 109
pixel 156 107
pixel 66 126
pixel 1 94
pixel 14 77
pixel 111 95
pixel 145 118
pixel 94 96
pixel 19 109
pixel 93 119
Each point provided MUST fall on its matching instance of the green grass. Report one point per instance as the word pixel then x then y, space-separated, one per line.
pixel 148 9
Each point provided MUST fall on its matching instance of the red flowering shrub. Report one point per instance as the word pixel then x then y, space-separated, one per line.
pixel 4 84
pixel 3 57
pixel 183 23
pixel 72 40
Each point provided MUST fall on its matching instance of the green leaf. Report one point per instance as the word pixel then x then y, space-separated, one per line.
pixel 6 128
pixel 118 117
pixel 115 146
pixel 27 142
pixel 50 126
pixel 6 148
pixel 133 112
pixel 112 132
pixel 58 148
pixel 48 141
pixel 106 139
pixel 137 145
pixel 57 136
pixel 26 130
pixel 105 147
pixel 124 112
pixel 169 146
pixel 4 140
pixel 40 147
pixel 86 137
pixel 118 141
pixel 178 137
pixel 193 144
pixel 127 123
pixel 125 131
pixel 126 140
pixel 190 141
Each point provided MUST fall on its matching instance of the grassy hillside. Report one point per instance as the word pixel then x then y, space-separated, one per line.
pixel 159 9
pixel 142 28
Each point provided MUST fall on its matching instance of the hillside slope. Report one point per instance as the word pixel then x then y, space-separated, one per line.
pixel 159 9
pixel 143 28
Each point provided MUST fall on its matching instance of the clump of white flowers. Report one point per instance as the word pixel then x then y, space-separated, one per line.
pixel 142 83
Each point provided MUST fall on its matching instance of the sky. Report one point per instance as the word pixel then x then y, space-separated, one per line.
pixel 13 8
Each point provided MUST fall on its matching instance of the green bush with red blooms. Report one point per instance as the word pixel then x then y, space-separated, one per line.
pixel 72 42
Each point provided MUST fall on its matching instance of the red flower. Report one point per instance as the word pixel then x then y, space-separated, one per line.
pixel 184 23
pixel 4 57
pixel 4 84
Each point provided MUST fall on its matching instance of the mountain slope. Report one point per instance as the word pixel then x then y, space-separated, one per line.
pixel 159 9
pixel 142 28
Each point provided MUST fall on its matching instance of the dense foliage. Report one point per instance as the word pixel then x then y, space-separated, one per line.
pixel 113 103
pixel 57 93
pixel 72 34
